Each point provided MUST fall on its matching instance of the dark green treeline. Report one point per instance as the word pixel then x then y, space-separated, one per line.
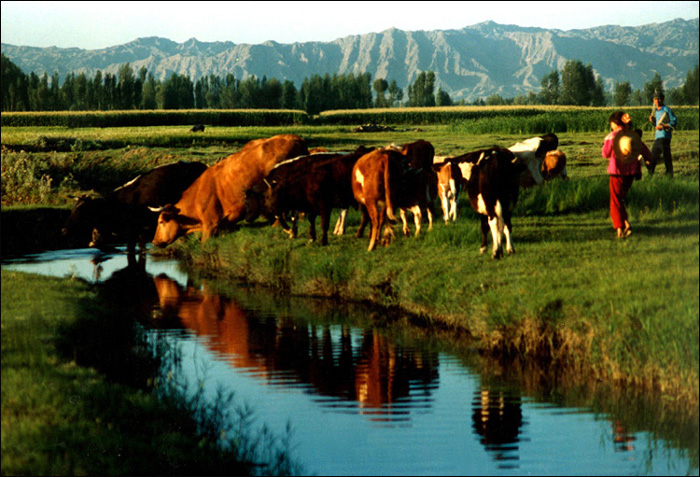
pixel 129 89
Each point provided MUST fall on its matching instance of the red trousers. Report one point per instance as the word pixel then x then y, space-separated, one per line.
pixel 619 187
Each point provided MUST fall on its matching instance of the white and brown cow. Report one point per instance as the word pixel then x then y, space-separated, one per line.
pixel 491 181
pixel 531 153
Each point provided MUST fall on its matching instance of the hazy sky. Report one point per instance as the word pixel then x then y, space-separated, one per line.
pixel 91 25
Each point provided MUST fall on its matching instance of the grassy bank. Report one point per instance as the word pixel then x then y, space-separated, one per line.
pixel 622 311
pixel 68 408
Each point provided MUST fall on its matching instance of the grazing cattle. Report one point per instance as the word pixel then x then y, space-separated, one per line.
pixel 554 165
pixel 315 184
pixel 197 128
pixel 449 185
pixel 531 153
pixel 419 185
pixel 491 181
pixel 387 178
pixel 218 197
pixel 124 212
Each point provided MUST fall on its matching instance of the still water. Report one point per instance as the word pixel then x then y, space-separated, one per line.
pixel 363 401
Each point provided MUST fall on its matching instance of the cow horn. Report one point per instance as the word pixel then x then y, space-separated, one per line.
pixel 157 210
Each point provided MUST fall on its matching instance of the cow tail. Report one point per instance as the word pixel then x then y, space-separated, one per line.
pixel 387 191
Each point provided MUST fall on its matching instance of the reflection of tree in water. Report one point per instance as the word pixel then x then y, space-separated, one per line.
pixel 497 418
pixel 375 374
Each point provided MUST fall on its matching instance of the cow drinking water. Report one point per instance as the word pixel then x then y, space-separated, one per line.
pixel 123 213
pixel 218 197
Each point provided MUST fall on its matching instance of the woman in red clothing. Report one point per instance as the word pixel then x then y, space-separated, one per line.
pixel 623 147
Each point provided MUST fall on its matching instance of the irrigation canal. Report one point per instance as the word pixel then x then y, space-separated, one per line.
pixel 361 400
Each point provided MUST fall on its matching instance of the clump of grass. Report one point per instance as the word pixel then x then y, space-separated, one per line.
pixel 24 180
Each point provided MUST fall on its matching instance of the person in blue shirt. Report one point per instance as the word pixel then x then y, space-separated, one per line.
pixel 664 120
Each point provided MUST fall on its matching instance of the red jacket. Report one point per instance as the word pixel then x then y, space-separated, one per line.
pixel 618 168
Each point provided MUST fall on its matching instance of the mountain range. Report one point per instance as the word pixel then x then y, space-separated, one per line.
pixel 469 63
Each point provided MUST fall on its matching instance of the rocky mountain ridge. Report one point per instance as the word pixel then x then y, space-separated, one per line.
pixel 472 62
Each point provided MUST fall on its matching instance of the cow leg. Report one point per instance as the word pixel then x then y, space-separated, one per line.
pixel 374 227
pixel 406 231
pixel 294 217
pixel 485 231
pixel 454 197
pixel 207 231
pixel 496 225
pixel 429 212
pixel 444 201
pixel 507 228
pixel 363 222
pixel 340 223
pixel 312 226
pixel 325 223
pixel 417 218
pixel 386 225
pixel 289 230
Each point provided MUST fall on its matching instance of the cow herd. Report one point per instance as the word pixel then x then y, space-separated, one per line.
pixel 278 178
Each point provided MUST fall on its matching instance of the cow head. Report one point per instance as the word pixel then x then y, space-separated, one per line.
pixel 88 214
pixel 170 225
pixel 554 165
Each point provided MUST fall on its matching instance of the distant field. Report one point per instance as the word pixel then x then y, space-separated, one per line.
pixel 473 119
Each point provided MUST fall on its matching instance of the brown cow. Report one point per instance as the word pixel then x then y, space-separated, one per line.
pixel 419 188
pixel 387 178
pixel 217 198
pixel 449 185
pixel 124 214
pixel 315 184
pixel 554 165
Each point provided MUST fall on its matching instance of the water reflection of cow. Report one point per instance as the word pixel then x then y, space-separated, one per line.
pixel 375 375
pixel 131 288
pixel 497 418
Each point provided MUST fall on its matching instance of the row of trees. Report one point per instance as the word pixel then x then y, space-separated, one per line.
pixel 576 84
pixel 140 90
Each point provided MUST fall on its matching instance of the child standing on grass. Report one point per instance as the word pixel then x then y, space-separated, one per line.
pixel 622 147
